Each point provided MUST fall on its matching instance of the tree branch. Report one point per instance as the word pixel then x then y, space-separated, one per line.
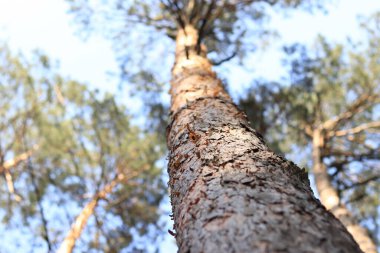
pixel 201 31
pixel 17 160
pixel 363 182
pixel 59 94
pixel 191 9
pixel 356 198
pixel 217 63
pixel 356 107
pixel 355 130
pixel 372 154
pixel 80 221
pixel 176 12
pixel 10 185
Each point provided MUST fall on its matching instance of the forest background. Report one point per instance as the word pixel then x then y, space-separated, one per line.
pixel 45 25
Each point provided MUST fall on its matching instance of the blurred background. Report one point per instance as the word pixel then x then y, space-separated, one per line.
pixel 84 101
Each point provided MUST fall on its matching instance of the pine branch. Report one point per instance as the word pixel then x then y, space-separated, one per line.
pixel 355 130
pixel 359 105
pixel 7 165
pixel 363 182
pixel 202 29
pixel 217 63
pixel 59 94
pixel 372 154
pixel 174 8
pixel 80 221
pixel 10 185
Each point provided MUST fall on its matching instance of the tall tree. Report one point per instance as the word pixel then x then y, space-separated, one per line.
pixel 224 179
pixel 229 192
pixel 332 99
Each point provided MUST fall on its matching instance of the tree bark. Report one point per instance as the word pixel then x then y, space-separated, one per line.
pixel 80 222
pixel 330 198
pixel 229 192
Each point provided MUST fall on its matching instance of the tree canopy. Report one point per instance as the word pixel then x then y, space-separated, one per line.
pixel 229 29
pixel 60 144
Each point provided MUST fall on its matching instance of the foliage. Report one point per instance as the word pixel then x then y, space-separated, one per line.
pixel 227 28
pixel 82 140
pixel 220 23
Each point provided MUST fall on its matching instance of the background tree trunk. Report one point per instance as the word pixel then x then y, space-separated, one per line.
pixel 229 192
pixel 331 200
pixel 80 222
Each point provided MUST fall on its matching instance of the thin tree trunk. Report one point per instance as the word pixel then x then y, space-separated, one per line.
pixel 80 222
pixel 330 198
pixel 229 192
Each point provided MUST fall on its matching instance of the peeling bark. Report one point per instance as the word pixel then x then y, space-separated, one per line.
pixel 229 192
pixel 330 198
pixel 80 222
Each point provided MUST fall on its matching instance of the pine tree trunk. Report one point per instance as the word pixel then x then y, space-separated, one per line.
pixel 229 192
pixel 80 222
pixel 330 198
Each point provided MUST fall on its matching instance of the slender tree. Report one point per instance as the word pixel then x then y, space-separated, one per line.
pixel 229 191
pixel 80 221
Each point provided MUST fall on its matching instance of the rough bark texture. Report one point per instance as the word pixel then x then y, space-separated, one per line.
pixel 330 198
pixel 80 222
pixel 229 192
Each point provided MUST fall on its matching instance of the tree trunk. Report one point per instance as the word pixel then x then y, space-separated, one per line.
pixel 229 192
pixel 330 198
pixel 80 222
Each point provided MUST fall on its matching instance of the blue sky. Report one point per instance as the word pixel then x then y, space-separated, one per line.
pixel 44 24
